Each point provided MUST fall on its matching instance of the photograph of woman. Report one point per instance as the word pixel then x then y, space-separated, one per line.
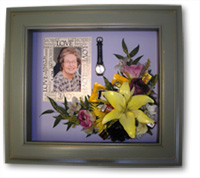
pixel 67 77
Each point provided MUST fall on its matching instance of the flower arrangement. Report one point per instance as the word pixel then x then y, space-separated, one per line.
pixel 124 108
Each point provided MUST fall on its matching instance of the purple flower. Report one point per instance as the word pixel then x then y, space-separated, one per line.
pixel 86 118
pixel 132 71
pixel 140 86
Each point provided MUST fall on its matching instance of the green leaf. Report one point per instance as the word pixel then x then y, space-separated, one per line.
pixel 88 135
pixel 62 110
pixel 47 112
pixel 108 85
pixel 125 49
pixel 72 122
pixel 69 124
pixel 58 117
pixel 87 104
pixel 53 103
pixel 149 132
pixel 119 56
pixel 154 80
pixel 146 66
pixel 59 109
pixel 137 60
pixel 129 63
pixel 73 119
pixel 134 51
pixel 56 122
pixel 82 103
pixel 65 104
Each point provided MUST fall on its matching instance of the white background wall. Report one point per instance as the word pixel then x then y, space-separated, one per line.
pixel 191 149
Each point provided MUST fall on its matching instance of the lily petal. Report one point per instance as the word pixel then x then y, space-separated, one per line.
pixel 141 129
pixel 138 101
pixel 114 114
pixel 128 122
pixel 143 118
pixel 125 91
pixel 132 91
pixel 115 99
pixel 97 112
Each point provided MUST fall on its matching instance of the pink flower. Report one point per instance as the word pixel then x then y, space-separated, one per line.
pixel 132 71
pixel 86 118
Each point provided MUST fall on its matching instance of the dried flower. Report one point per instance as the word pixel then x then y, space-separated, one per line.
pixel 140 86
pixel 121 65
pixel 151 108
pixel 74 106
pixel 141 129
pixel 86 118
pixel 132 71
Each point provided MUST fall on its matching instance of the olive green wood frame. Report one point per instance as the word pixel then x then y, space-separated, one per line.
pixel 167 20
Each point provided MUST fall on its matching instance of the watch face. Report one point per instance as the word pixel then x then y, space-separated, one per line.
pixel 100 69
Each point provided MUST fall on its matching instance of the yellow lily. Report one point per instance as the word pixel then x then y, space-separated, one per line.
pixel 126 108
pixel 100 115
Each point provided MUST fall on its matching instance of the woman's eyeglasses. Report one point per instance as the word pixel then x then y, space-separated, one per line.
pixel 70 62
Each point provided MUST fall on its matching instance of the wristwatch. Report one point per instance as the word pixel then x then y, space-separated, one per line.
pixel 100 68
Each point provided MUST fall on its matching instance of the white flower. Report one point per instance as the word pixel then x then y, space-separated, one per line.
pixel 151 109
pixel 121 64
pixel 74 106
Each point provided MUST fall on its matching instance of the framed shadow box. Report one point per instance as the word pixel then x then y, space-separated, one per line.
pixel 94 85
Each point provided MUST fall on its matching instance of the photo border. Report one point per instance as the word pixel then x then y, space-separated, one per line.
pixel 50 43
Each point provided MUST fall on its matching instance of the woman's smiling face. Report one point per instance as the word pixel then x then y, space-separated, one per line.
pixel 70 64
